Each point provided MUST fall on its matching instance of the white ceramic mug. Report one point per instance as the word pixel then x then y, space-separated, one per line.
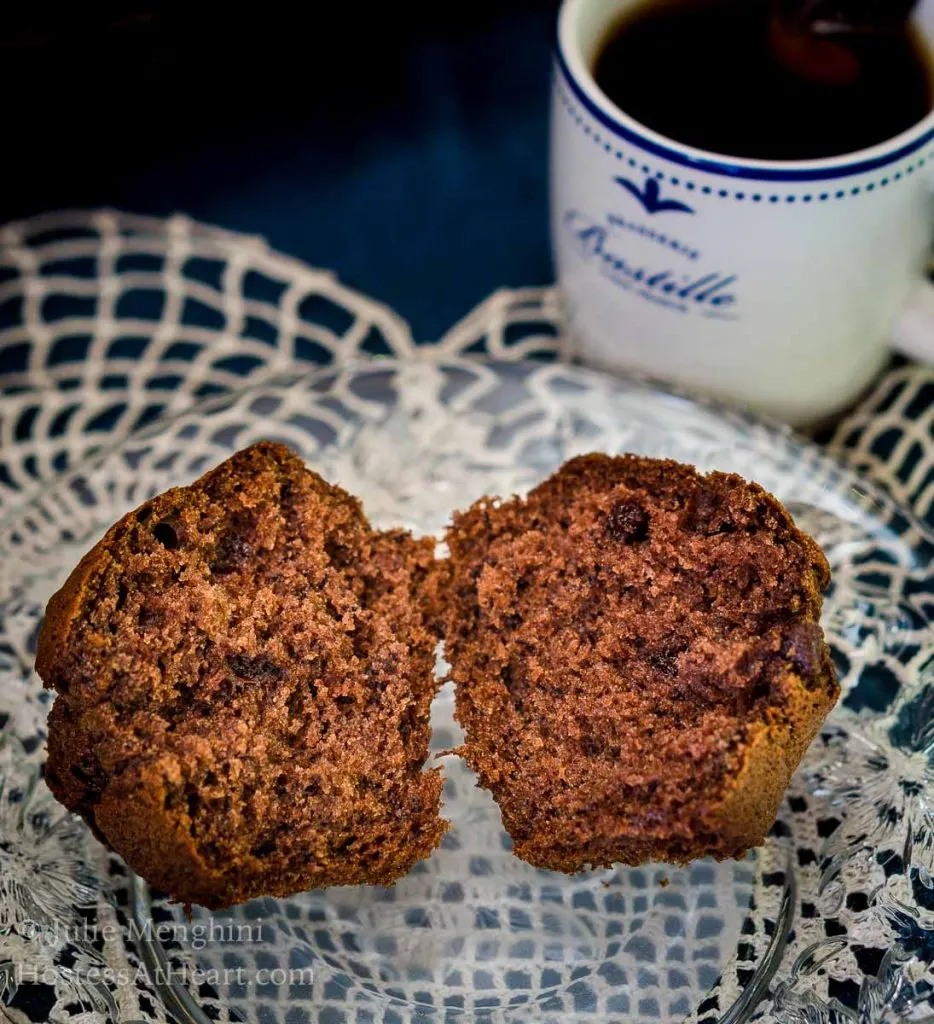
pixel 778 284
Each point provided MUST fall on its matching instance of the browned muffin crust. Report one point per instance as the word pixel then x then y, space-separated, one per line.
pixel 637 658
pixel 244 673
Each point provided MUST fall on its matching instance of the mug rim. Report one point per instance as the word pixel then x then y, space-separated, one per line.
pixel 588 93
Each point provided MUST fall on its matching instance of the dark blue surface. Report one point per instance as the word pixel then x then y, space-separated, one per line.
pixel 422 183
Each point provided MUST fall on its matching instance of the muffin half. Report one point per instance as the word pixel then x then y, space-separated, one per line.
pixel 244 670
pixel 638 661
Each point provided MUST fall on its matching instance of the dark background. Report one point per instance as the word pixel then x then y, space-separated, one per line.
pixel 403 146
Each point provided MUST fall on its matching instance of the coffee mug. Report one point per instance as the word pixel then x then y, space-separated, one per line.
pixel 777 284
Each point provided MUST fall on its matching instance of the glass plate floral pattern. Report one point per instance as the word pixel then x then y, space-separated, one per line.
pixel 832 920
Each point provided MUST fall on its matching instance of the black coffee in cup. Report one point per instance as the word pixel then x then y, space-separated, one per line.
pixel 744 78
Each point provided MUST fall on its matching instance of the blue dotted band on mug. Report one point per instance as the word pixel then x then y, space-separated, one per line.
pixel 740 195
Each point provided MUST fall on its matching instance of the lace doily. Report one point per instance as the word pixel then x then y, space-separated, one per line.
pixel 109 322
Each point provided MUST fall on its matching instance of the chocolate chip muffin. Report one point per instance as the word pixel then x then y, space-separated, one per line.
pixel 244 669
pixel 638 661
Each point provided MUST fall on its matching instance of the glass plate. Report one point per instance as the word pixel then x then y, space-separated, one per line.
pixel 832 918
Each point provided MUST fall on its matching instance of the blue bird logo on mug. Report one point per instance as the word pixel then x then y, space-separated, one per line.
pixel 650 197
